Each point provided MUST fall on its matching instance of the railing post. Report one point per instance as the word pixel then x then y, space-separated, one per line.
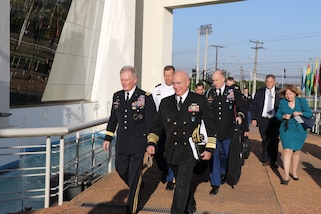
pixel 61 171
pixel 47 172
pixel 77 159
pixel 317 123
pixel 93 146
pixel 110 165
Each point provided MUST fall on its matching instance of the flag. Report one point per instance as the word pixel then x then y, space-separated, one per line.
pixel 316 77
pixel 304 70
pixel 284 71
pixel 311 78
pixel 308 79
pixel 320 78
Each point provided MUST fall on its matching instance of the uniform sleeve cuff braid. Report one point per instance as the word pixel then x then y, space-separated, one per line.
pixel 152 138
pixel 211 143
pixel 240 114
pixel 109 133
pixel 109 136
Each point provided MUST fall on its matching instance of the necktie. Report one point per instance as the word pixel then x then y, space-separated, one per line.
pixel 218 92
pixel 127 96
pixel 269 104
pixel 179 104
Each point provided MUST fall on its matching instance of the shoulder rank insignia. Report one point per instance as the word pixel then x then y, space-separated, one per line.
pixel 147 93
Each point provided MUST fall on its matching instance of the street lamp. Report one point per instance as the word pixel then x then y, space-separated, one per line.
pixel 227 67
pixel 216 56
pixel 203 30
pixel 241 71
pixel 250 80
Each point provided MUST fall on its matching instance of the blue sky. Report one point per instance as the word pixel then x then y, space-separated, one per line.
pixel 289 29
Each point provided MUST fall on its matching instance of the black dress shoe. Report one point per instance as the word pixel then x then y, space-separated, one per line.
pixel 170 185
pixel 284 182
pixel 164 175
pixel 274 165
pixel 214 190
pixel 223 179
pixel 190 209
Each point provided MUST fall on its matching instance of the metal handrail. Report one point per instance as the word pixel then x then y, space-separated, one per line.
pixel 316 128
pixel 49 132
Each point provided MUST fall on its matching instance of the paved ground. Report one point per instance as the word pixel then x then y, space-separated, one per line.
pixel 258 191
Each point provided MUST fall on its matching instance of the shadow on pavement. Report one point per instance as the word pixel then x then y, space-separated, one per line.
pixel 314 172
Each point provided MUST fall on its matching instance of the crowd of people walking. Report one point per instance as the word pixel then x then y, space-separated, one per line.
pixel 181 128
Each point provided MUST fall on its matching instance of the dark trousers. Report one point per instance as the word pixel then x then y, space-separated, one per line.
pixel 161 160
pixel 129 168
pixel 218 163
pixel 182 195
pixel 269 131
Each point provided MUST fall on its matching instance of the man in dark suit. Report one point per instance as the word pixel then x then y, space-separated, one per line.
pixel 180 115
pixel 132 113
pixel 227 107
pixel 247 97
pixel 264 107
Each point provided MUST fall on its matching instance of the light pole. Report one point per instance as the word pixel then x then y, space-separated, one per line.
pixel 227 66
pixel 255 64
pixel 203 30
pixel 241 71
pixel 216 56
pixel 250 80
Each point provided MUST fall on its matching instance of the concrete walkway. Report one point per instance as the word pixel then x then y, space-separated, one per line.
pixel 258 191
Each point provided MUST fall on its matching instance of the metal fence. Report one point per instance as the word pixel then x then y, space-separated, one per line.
pixel 61 162
pixel 316 128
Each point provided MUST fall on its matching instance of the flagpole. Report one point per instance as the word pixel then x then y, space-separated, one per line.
pixel 282 80
pixel 283 76
pixel 314 74
pixel 316 84
pixel 315 100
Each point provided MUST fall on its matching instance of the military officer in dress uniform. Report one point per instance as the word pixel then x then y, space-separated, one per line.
pixel 179 115
pixel 227 107
pixel 161 91
pixel 132 113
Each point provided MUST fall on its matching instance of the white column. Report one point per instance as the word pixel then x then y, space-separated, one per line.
pixel 4 60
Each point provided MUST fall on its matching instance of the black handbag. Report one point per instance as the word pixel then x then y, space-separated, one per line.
pixel 308 122
pixel 246 147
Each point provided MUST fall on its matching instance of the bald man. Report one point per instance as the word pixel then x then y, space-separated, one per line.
pixel 179 115
pixel 227 107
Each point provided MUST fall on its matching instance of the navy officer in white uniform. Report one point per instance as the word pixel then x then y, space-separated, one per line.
pixel 161 91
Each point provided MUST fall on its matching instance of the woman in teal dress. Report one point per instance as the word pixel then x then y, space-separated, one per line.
pixel 292 133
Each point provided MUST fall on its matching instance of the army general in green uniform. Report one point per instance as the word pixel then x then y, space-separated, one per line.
pixel 132 113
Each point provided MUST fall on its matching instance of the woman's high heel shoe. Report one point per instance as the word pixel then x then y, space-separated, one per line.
pixel 294 178
pixel 284 182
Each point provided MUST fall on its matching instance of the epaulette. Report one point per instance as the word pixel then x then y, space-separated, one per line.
pixel 158 85
pixel 147 93
pixel 236 87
